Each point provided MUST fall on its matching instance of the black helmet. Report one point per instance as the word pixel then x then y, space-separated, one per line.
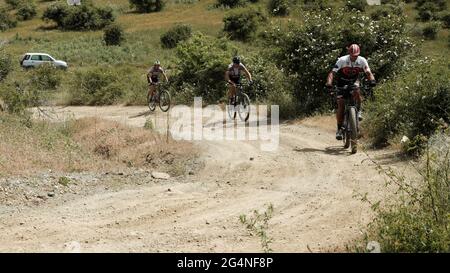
pixel 236 60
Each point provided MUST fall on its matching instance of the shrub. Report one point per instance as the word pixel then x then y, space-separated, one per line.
pixel 430 31
pixel 356 5
pixel 445 18
pixel 427 11
pixel 146 6
pixel 243 24
pixel 13 3
pixel 175 35
pixel 278 7
pixel 113 35
pixel 96 86
pixel 45 77
pixel 315 4
pixel 26 10
pixel 83 17
pixel 5 65
pixel 385 11
pixel 417 102
pixel 416 220
pixel 6 21
pixel 439 4
pixel 307 50
pixel 202 61
pixel 231 3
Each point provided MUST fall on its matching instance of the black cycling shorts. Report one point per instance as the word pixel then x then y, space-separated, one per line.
pixel 154 80
pixel 236 80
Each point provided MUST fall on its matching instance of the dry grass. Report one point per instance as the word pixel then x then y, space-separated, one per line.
pixel 85 145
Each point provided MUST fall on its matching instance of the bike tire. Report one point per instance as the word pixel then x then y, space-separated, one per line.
pixel 231 108
pixel 164 101
pixel 353 130
pixel 151 103
pixel 244 107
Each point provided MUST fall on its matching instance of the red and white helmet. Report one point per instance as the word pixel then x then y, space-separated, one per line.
pixel 354 50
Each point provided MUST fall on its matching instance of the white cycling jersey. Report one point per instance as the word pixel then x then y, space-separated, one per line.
pixel 349 71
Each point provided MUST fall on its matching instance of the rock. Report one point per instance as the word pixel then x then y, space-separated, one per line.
pixel 159 175
pixel 51 194
pixel 252 158
pixel 72 247
pixel 191 172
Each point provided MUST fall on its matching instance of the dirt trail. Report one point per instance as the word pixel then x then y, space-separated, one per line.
pixel 309 180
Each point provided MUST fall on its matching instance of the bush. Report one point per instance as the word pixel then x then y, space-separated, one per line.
pixel 96 86
pixel 356 4
pixel 26 10
pixel 315 4
pixel 45 77
pixel 386 11
pixel 439 4
pixel 6 21
pixel 113 35
pixel 175 35
pixel 202 61
pixel 417 220
pixel 427 11
pixel 307 50
pixel 146 6
pixel 5 65
pixel 430 31
pixel 445 18
pixel 415 103
pixel 83 17
pixel 231 3
pixel 243 24
pixel 278 7
pixel 13 3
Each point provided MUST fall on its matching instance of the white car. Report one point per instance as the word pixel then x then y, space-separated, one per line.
pixel 35 59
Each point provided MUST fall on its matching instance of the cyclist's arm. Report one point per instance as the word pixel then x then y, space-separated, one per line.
pixel 165 76
pixel 227 77
pixel 330 78
pixel 367 71
pixel 247 74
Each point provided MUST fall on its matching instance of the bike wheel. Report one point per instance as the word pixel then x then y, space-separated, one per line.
pixel 353 130
pixel 346 139
pixel 244 107
pixel 231 108
pixel 164 101
pixel 151 103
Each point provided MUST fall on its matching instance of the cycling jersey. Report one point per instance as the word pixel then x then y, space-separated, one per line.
pixel 347 71
pixel 154 73
pixel 235 72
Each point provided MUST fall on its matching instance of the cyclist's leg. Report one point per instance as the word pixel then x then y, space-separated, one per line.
pixel 340 111
pixel 232 89
pixel 357 96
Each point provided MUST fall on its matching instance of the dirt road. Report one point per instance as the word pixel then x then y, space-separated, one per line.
pixel 309 180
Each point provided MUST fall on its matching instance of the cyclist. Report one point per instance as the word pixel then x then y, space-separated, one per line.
pixel 347 69
pixel 153 77
pixel 233 75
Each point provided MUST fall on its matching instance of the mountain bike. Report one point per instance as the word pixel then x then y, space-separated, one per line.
pixel 161 97
pixel 239 104
pixel 350 127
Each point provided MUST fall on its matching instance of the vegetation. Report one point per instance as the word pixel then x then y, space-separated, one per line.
pixel 83 17
pixel 243 24
pixel 146 6
pixel 6 20
pixel 175 35
pixel 113 35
